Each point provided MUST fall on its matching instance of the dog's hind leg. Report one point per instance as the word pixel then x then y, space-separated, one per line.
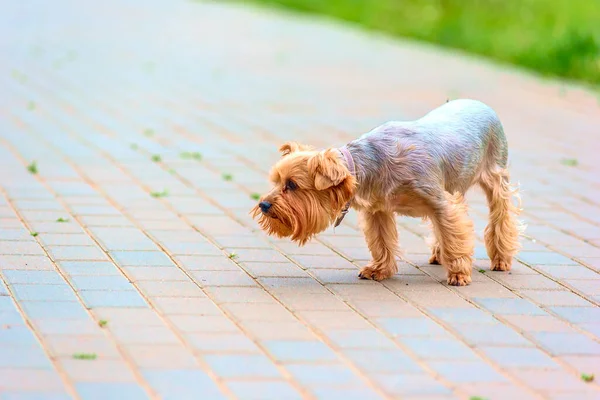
pixel 382 238
pixel 455 233
pixel 502 232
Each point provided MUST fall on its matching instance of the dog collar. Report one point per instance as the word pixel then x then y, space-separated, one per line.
pixel 352 168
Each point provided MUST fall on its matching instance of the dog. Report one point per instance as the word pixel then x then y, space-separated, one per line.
pixel 419 168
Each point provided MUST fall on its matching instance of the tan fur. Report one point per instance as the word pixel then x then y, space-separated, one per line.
pixel 382 239
pixel 291 147
pixel 324 186
pixel 454 230
pixel 327 169
pixel 419 169
pixel 434 244
pixel 503 230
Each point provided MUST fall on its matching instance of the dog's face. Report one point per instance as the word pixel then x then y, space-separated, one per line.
pixel 310 188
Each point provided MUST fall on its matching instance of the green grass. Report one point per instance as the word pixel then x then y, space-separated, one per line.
pixel 191 155
pixel 227 177
pixel 102 323
pixel 569 162
pixel 34 234
pixel 587 377
pixel 255 196
pixel 19 76
pixel 156 158
pixel 233 256
pixel 33 168
pixel 553 37
pixel 158 195
pixel 85 356
pixel 61 219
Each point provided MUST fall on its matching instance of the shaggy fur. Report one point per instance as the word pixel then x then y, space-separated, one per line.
pixel 419 168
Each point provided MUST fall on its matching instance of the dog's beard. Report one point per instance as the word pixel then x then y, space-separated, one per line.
pixel 274 224
pixel 300 218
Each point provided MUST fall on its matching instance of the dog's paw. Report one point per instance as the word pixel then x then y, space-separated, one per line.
pixel 501 265
pixel 459 271
pixel 459 279
pixel 376 273
pixel 436 257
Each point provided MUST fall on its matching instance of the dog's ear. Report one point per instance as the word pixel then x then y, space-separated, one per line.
pixel 291 147
pixel 327 169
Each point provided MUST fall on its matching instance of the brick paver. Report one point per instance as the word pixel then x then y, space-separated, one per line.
pixel 132 138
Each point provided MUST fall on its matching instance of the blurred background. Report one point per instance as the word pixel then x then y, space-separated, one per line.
pixel 552 37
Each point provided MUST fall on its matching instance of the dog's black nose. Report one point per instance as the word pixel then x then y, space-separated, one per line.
pixel 264 206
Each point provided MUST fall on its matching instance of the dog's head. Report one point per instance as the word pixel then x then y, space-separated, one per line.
pixel 310 188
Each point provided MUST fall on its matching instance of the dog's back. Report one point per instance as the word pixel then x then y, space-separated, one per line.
pixel 465 136
pixel 460 138
pixel 465 123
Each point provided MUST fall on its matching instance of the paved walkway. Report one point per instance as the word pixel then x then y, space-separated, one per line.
pixel 132 138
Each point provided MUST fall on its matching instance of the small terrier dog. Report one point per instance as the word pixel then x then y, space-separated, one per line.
pixel 420 169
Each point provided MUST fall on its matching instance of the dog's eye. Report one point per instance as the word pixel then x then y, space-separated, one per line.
pixel 291 185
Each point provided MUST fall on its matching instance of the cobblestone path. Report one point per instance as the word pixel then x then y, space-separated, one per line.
pixel 133 138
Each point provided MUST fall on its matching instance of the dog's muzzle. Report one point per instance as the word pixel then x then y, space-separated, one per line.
pixel 264 206
pixel 267 209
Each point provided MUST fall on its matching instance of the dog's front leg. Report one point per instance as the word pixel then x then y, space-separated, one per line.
pixel 382 238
